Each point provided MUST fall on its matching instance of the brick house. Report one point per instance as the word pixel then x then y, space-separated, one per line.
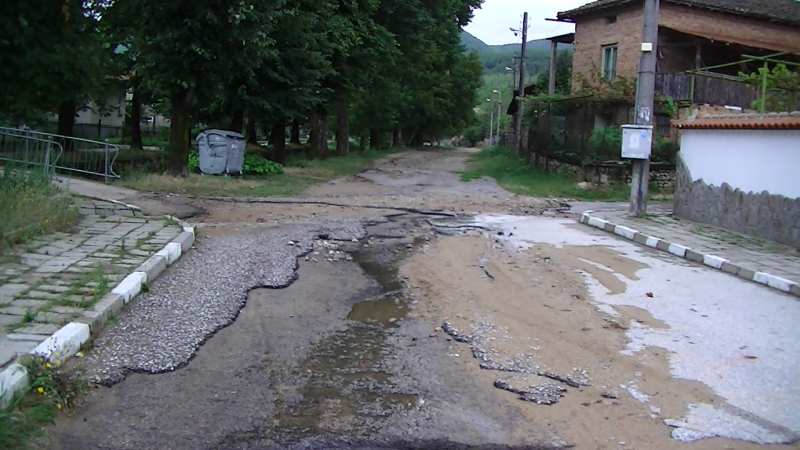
pixel 692 34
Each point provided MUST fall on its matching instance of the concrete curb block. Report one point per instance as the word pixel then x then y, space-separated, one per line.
pixel 71 337
pixel 775 282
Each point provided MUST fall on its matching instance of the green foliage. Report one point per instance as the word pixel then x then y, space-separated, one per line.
pixel 511 172
pixel 783 88
pixel 31 206
pixel 52 53
pixel 254 164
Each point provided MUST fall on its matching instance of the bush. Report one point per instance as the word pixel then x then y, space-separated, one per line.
pixel 253 165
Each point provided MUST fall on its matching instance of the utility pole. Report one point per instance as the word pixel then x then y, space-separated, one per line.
pixel 521 96
pixel 645 97
pixel 499 108
pixel 491 121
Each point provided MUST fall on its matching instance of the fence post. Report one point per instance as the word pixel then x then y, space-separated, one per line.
pixel 105 164
pixel 46 162
pixel 691 88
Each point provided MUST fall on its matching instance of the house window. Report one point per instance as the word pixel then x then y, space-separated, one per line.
pixel 609 64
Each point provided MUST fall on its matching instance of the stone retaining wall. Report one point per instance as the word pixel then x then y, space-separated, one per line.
pixel 611 174
pixel 764 215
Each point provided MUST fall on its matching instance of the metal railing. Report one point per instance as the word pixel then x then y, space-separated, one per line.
pixel 55 153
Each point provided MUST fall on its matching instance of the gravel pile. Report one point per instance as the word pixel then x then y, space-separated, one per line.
pixel 204 292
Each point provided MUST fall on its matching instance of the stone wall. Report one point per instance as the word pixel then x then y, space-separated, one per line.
pixel 763 215
pixel 611 173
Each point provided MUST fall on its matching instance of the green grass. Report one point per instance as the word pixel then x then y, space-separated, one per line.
pixel 513 174
pixel 299 174
pixel 31 206
pixel 51 391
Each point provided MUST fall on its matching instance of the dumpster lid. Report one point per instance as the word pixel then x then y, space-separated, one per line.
pixel 228 134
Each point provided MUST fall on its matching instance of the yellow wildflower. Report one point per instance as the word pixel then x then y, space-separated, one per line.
pixel 79 354
pixel 48 365
pixel 58 405
pixel 56 362
pixel 40 390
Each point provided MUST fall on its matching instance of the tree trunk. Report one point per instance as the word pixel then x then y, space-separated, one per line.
pixel 322 129
pixel 342 130
pixel 412 138
pixel 181 127
pixel 66 124
pixel 252 131
pixel 278 138
pixel 374 139
pixel 135 119
pixel 237 121
pixel 397 137
pixel 294 137
pixel 362 143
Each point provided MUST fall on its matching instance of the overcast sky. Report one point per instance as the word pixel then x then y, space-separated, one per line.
pixel 492 22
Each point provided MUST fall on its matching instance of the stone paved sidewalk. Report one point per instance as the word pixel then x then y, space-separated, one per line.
pixel 754 254
pixel 46 283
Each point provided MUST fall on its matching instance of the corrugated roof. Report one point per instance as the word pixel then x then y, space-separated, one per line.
pixel 772 121
pixel 781 11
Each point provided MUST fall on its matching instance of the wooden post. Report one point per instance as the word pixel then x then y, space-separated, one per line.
pixel 520 102
pixel 551 89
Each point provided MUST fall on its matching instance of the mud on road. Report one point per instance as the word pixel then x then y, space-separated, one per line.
pixel 371 312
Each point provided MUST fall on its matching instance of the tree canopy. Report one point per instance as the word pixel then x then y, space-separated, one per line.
pixel 388 67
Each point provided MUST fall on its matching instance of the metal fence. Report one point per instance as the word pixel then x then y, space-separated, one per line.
pixel 55 153
pixel 585 133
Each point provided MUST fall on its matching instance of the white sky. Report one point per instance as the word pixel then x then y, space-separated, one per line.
pixel 492 22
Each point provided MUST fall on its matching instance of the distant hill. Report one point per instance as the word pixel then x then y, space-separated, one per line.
pixel 496 58
pixel 472 43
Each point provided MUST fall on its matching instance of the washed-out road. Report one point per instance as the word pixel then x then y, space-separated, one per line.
pixel 401 308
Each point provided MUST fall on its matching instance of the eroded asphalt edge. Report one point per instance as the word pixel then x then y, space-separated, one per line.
pixel 685 252
pixel 69 339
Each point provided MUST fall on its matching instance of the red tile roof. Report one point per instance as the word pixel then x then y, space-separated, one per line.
pixel 772 121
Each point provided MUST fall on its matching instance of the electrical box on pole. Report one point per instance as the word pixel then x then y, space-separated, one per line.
pixel 637 140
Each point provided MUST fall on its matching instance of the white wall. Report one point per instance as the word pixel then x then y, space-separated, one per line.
pixel 750 160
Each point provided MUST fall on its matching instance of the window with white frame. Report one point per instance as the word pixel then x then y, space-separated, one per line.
pixel 609 64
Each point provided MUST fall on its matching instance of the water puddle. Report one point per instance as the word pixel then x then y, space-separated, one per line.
pixel 343 387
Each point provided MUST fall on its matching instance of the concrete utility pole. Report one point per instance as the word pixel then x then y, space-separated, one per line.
pixel 551 85
pixel 499 110
pixel 645 97
pixel 491 121
pixel 521 96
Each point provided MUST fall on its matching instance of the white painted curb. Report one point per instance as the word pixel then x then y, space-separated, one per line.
pixel 682 251
pixel 68 340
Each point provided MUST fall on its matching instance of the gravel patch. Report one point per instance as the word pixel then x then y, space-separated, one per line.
pixel 204 292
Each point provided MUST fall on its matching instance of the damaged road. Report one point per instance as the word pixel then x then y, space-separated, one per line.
pixel 388 311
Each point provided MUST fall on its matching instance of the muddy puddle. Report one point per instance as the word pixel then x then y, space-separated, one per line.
pixel 343 389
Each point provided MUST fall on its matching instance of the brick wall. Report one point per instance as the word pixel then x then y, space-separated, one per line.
pixel 592 33
pixel 726 25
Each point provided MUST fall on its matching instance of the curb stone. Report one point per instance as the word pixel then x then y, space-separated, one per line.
pixel 71 337
pixel 766 279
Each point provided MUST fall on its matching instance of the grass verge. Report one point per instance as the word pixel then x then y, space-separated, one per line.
pixel 31 206
pixel 511 172
pixel 51 391
pixel 299 174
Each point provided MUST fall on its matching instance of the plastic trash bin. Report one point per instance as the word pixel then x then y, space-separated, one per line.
pixel 221 152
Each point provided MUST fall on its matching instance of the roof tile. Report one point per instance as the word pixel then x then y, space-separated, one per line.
pixel 772 121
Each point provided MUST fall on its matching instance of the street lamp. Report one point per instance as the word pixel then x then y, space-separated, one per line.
pixel 499 108
pixel 491 122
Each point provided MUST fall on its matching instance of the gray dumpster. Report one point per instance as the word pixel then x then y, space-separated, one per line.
pixel 221 152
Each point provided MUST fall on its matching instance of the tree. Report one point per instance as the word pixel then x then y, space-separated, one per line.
pixel 52 59
pixel 197 57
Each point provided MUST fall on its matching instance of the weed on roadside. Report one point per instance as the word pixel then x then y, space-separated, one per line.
pixel 511 172
pixel 51 391
pixel 30 206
